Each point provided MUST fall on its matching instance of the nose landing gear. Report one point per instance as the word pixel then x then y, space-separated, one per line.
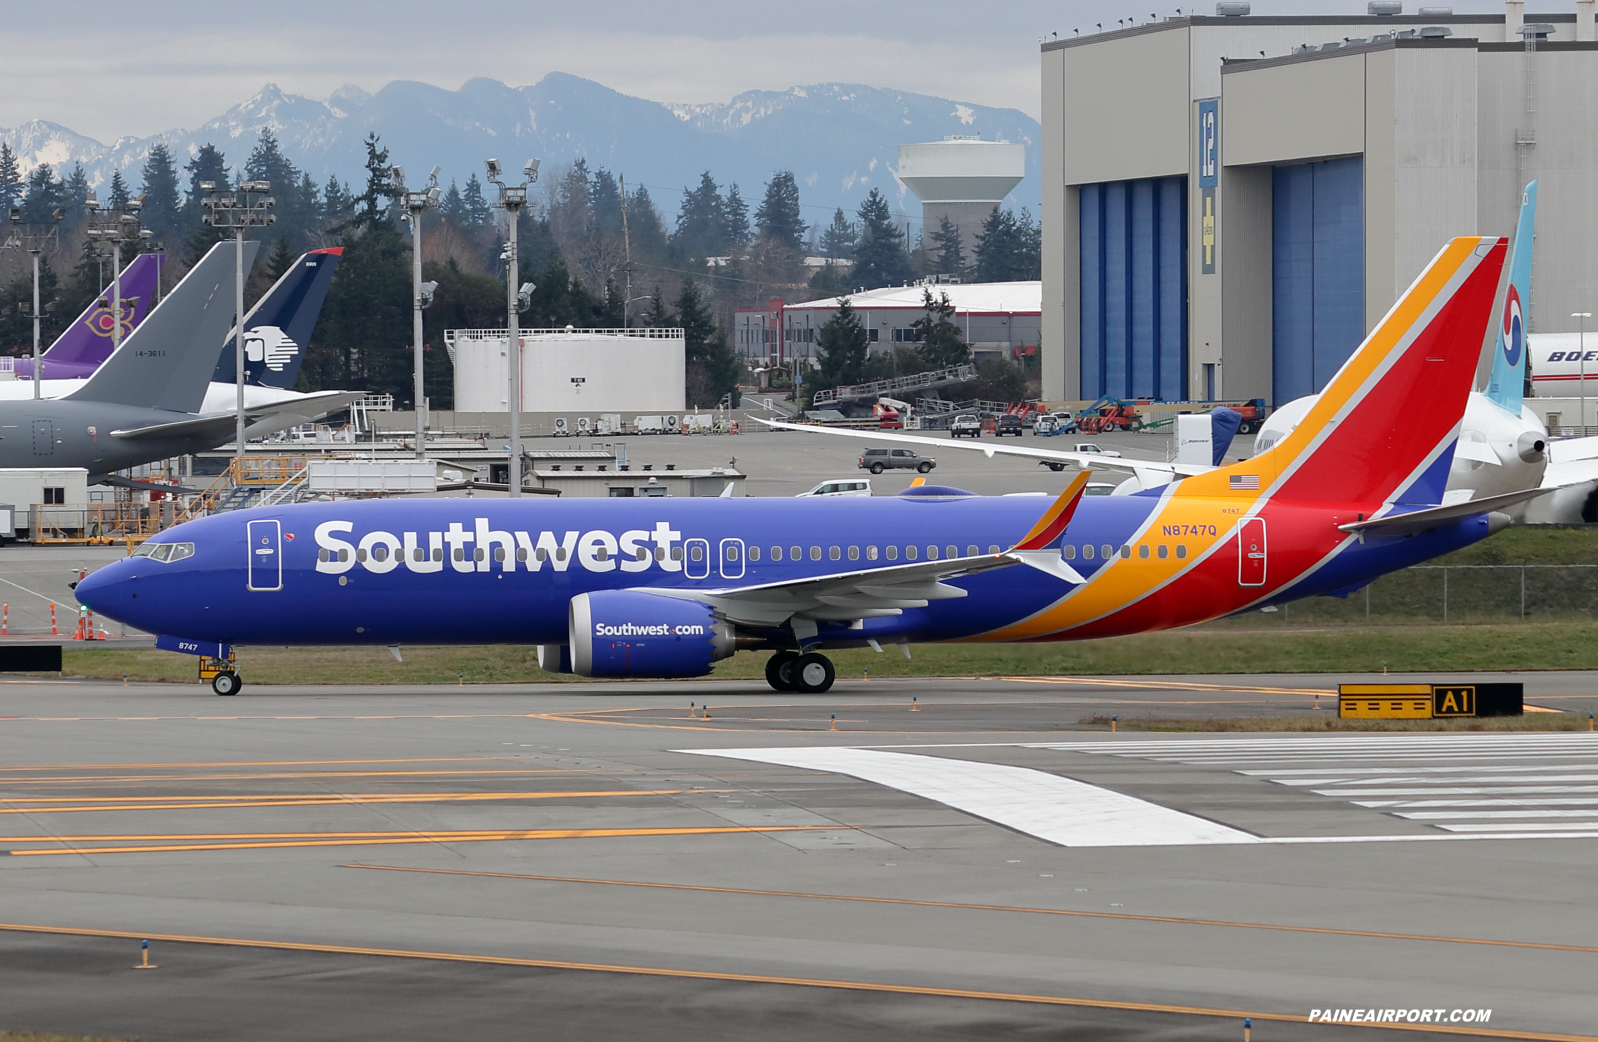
pixel 226 683
pixel 807 674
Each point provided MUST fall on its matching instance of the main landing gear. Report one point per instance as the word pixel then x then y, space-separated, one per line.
pixel 807 674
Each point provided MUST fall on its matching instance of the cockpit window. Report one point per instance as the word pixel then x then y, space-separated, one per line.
pixel 165 551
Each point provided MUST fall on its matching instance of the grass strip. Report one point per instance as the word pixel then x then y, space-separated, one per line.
pixel 1559 645
pixel 1319 724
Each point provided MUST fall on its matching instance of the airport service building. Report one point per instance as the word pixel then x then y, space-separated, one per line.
pixel 1231 203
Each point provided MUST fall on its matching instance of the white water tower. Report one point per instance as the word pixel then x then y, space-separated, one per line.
pixel 961 178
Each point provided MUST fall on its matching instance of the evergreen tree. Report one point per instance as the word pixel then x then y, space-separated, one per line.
pixel 374 205
pixel 159 181
pixel 76 189
pixel 838 240
pixel 658 315
pixel 842 345
pixel 336 202
pixel 702 221
pixel 11 183
pixel 208 164
pixel 1008 249
pixel 363 336
pixel 736 223
pixel 604 203
pixel 948 255
pixel 117 195
pixel 452 205
pixel 713 366
pixel 940 339
pixel 880 258
pixel 282 258
pixel 779 218
pixel 46 194
pixel 645 228
pixel 477 213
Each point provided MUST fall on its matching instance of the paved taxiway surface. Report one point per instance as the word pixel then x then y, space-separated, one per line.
pixel 402 862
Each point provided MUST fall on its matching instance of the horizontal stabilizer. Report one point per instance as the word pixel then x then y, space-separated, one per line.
pixel 263 419
pixel 1413 521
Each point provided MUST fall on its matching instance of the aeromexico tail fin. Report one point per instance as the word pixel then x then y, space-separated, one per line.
pixel 1383 430
pixel 1054 519
pixel 1506 387
pixel 87 342
pixel 278 329
pixel 167 362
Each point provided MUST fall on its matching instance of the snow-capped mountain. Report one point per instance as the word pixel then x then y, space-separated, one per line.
pixel 840 140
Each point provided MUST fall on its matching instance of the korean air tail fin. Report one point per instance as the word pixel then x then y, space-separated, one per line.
pixel 87 342
pixel 277 331
pixel 167 362
pixel 1506 386
pixel 1384 428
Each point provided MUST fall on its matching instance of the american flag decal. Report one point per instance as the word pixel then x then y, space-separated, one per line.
pixel 1245 481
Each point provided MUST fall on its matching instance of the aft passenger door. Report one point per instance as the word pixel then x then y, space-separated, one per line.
pixel 265 540
pixel 1251 552
pixel 697 566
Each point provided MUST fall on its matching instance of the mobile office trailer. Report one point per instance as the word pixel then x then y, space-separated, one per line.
pixel 62 493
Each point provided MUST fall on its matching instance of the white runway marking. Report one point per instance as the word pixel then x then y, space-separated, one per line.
pixel 1059 810
pixel 1514 788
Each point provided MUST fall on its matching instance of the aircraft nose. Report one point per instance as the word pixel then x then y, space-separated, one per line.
pixel 97 590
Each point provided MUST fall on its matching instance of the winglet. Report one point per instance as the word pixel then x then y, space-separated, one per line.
pixel 918 482
pixel 1054 520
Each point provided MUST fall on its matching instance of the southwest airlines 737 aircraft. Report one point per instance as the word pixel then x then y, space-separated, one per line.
pixel 666 587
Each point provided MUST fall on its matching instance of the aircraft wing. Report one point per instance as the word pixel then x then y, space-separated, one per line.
pixel 873 592
pixel 263 419
pixel 1085 460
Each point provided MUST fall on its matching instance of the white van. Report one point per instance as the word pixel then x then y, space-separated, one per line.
pixel 840 488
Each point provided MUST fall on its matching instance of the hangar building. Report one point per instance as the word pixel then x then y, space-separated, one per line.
pixel 1231 203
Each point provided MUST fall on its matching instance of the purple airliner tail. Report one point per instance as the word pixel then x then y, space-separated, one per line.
pixel 78 352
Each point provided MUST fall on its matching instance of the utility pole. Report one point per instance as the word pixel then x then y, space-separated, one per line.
pixel 415 204
pixel 512 198
pixel 35 239
pixel 235 210
pixel 627 250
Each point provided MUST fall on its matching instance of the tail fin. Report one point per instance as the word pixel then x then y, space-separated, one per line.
pixel 277 330
pixel 1383 430
pixel 87 342
pixel 1506 387
pixel 167 362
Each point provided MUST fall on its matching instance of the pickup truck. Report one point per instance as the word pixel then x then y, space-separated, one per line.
pixel 1085 447
pixel 965 427
pixel 1009 423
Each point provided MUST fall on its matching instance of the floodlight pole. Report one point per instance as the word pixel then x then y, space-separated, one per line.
pixel 235 210
pixel 513 198
pixel 34 241
pixel 415 204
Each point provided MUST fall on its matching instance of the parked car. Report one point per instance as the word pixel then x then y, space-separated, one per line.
pixel 965 427
pixel 879 460
pixel 1052 423
pixel 840 488
pixel 1009 423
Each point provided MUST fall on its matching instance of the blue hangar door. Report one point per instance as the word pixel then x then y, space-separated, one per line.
pixel 1317 273
pixel 1134 288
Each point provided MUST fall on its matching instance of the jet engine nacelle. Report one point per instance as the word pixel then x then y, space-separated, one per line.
pixel 624 633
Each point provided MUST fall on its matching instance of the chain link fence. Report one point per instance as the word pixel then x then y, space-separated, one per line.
pixel 1452 593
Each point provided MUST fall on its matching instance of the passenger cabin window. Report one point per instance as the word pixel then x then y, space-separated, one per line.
pixel 731 551
pixel 909 553
pixel 993 548
pixel 893 553
pixel 951 551
pixel 1087 552
pixel 1068 552
pixel 833 554
pixel 1143 551
pixel 1107 551
pixel 1181 551
pixel 871 553
pixel 1126 552
pixel 697 553
pixel 754 553
pixel 1165 551
pixel 795 554
pixel 932 553
pixel 815 553
pixel 972 551
pixel 854 553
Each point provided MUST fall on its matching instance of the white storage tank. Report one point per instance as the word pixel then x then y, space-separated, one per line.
pixel 578 371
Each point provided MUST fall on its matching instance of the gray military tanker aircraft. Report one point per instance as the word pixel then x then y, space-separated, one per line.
pixel 143 404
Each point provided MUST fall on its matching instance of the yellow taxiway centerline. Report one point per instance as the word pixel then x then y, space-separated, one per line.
pixel 1018 909
pixel 47 805
pixel 756 978
pixel 268 841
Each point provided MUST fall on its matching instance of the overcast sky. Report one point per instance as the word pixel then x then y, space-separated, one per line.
pixel 110 69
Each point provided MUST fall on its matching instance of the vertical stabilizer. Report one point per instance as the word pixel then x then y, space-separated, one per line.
pixel 87 342
pixel 1506 386
pixel 277 331
pixel 167 362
